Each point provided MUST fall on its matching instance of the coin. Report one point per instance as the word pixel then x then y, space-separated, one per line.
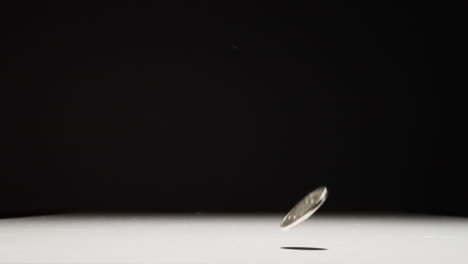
pixel 305 208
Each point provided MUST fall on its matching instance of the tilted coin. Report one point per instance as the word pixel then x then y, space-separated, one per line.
pixel 305 208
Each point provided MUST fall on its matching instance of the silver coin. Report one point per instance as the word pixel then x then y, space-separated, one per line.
pixel 305 208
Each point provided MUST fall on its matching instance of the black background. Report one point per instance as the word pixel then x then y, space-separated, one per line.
pixel 231 108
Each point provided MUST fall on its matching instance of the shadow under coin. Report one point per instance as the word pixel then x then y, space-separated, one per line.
pixel 303 248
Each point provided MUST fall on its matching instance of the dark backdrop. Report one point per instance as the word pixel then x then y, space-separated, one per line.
pixel 232 108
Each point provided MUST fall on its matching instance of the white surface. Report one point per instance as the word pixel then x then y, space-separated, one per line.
pixel 232 239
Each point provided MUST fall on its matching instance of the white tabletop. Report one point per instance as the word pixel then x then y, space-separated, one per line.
pixel 232 239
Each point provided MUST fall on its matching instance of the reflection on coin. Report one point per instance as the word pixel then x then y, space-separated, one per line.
pixel 305 208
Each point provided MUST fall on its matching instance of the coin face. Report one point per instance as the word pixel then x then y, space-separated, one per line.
pixel 305 208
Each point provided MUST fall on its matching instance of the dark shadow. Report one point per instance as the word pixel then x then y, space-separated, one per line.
pixel 7 215
pixel 304 248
